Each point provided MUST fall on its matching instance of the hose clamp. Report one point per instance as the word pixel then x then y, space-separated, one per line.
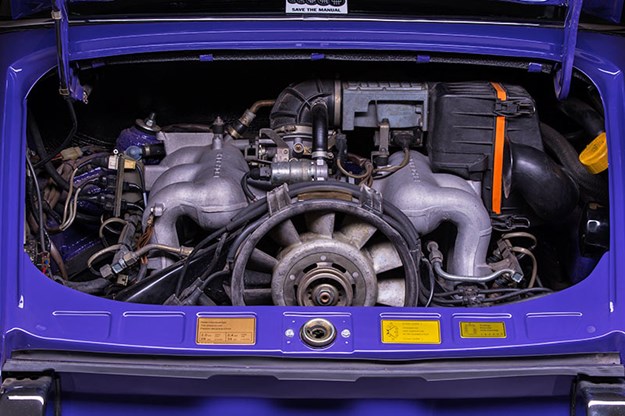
pixel 278 199
pixel 371 200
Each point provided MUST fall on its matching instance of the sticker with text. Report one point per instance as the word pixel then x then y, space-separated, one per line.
pixel 482 329
pixel 226 331
pixel 411 332
pixel 316 6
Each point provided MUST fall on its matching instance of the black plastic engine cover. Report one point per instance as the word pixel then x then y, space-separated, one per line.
pixel 463 117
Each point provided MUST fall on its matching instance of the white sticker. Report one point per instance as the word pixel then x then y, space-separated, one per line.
pixel 316 6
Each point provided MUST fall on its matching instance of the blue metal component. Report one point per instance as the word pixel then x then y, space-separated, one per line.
pixel 611 10
pixel 92 190
pixel 134 136
pixel 21 8
pixel 564 72
pixel 423 59
pixel 105 405
pixel 534 67
pixel 581 267
pixel 143 133
pixel 528 42
pixel 69 84
pixel 74 243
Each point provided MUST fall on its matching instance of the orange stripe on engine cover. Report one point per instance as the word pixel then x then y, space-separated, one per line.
pixel 500 131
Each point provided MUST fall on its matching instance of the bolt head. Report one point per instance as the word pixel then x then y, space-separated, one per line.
pixel 289 333
pixel 346 333
pixel 157 210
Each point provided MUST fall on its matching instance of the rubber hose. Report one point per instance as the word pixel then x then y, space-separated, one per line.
pixel 92 286
pixel 260 184
pixel 293 105
pixel 320 128
pixel 591 185
pixel 550 192
pixel 584 115
pixel 40 149
pixel 157 287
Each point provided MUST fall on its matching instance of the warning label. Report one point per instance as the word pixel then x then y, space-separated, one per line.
pixel 316 6
pixel 482 329
pixel 411 332
pixel 226 331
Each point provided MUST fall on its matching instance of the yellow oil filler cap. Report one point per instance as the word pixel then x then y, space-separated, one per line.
pixel 595 156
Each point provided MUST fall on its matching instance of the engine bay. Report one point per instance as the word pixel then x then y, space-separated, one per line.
pixel 324 187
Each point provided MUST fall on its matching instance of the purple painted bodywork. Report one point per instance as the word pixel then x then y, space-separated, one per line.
pixel 607 9
pixel 98 406
pixel 40 314
pixel 612 11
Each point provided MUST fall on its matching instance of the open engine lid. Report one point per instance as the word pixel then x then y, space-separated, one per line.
pixel 70 85
pixel 611 10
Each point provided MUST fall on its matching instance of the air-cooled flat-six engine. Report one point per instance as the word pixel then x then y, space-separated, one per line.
pixel 354 194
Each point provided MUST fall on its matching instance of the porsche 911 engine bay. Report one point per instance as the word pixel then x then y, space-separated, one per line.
pixel 336 191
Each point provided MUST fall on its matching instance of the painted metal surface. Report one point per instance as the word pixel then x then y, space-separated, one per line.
pixel 38 313
pixel 96 405
pixel 69 84
pixel 609 10
pixel 22 8
pixel 564 73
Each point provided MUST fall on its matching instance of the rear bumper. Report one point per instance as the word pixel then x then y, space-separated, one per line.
pixel 81 383
pixel 111 374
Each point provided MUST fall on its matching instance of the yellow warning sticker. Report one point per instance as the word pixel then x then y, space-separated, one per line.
pixel 226 331
pixel 483 329
pixel 411 332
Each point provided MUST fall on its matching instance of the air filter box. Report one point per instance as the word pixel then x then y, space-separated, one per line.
pixel 471 127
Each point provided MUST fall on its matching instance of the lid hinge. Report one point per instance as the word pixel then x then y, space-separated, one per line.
pixel 564 70
pixel 69 84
